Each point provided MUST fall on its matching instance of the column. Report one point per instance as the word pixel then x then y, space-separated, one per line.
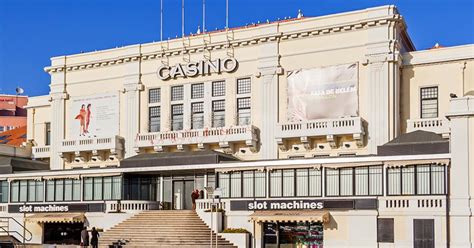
pixel 461 177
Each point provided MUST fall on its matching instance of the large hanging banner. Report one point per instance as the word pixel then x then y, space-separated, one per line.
pixel 324 92
pixel 94 116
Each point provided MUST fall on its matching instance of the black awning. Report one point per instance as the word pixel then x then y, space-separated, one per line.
pixel 415 143
pixel 176 158
pixel 10 165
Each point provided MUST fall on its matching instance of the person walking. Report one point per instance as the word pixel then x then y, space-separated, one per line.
pixel 84 237
pixel 95 238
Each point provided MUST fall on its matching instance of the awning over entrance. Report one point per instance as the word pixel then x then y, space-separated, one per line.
pixel 291 216
pixel 56 218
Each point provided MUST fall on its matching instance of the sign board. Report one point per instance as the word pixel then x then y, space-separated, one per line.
pixel 323 93
pixel 55 208
pixel 93 116
pixel 302 204
pixel 193 69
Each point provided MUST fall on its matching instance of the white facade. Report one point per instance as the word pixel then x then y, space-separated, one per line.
pixel 176 96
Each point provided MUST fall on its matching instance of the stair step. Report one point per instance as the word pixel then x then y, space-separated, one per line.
pixel 163 229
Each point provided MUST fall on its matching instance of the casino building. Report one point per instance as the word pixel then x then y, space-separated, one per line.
pixel 329 131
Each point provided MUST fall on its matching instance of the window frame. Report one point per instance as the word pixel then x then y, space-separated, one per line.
pixel 415 182
pixel 428 99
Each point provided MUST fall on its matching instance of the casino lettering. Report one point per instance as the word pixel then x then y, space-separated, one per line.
pixel 203 67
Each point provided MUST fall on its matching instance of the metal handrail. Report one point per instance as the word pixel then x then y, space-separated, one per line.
pixel 12 232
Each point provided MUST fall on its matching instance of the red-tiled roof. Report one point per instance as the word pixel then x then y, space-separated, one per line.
pixel 13 137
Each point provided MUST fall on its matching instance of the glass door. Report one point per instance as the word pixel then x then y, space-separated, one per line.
pixel 182 190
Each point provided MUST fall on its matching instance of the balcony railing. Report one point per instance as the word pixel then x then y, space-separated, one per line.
pixel 131 206
pixel 323 127
pixel 91 144
pixel 435 125
pixel 223 136
pixel 41 151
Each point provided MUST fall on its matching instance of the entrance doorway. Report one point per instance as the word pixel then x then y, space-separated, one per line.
pixel 182 190
pixel 293 235
pixel 62 233
pixel 423 233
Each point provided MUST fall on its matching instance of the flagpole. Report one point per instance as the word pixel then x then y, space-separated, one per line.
pixel 203 16
pixel 182 18
pixel 226 13
pixel 161 20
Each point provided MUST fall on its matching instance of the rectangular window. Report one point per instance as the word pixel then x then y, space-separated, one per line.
pixel 408 180
pixel 243 111
pixel 235 184
pixel 98 186
pixel 4 191
pixel 437 179
pixel 59 190
pixel 218 113
pixel 423 179
pixel 302 181
pixel 31 190
pixel 197 117
pixel 346 181
pixel 15 189
pixel 332 182
pixel 154 95
pixel 416 180
pixel 177 93
pixel 362 179
pixel 260 183
pixel 177 117
pixel 116 188
pixel 88 189
pixel 289 182
pixel 385 231
pixel 76 190
pixel 197 91
pixel 68 189
pixel 275 183
pixel 243 86
pixel 376 180
pixel 23 190
pixel 429 102
pixel 107 188
pixel 154 119
pixel 315 182
pixel 248 184
pixel 224 184
pixel 218 88
pixel 47 135
pixel 50 190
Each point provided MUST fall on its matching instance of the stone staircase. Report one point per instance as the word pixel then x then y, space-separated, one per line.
pixel 162 228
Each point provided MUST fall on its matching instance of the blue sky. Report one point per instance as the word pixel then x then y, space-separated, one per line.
pixel 33 31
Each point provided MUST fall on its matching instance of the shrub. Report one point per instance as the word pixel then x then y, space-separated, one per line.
pixel 235 230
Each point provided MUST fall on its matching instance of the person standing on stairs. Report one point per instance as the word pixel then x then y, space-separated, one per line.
pixel 95 238
pixel 194 196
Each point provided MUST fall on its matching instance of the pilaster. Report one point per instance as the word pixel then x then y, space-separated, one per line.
pixel 383 87
pixel 268 73
pixel 131 88
pixel 461 176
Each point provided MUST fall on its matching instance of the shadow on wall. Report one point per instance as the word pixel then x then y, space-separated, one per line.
pixel 332 225
pixel 406 77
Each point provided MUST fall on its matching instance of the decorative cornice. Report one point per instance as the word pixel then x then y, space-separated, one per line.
pixel 230 43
